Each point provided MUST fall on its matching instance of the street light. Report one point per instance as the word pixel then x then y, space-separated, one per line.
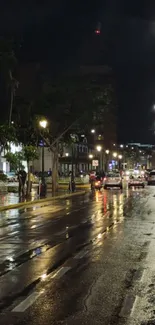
pixel 107 152
pixel 114 154
pixel 93 131
pixel 43 124
pixel 90 156
pixel 67 154
pixel 121 146
pixel 99 148
pixel 120 157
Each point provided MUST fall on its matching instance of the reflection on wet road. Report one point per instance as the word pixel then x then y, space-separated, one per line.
pixel 59 258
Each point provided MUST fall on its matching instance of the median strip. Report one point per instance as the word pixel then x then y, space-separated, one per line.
pixel 30 203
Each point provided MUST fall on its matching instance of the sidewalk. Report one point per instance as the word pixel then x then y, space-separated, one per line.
pixel 140 300
pixel 13 201
pixel 13 198
pixel 143 308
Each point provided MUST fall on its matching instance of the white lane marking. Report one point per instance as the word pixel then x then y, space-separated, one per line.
pixel 143 276
pixel 61 272
pixel 13 233
pixel 26 303
pixel 127 306
pixel 134 305
pixel 80 255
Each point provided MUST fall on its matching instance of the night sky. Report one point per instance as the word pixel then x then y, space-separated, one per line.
pixel 62 33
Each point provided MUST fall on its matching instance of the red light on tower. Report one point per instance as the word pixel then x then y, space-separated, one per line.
pixel 97 31
pixel 98 28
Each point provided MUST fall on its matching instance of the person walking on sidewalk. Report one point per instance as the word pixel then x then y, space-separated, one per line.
pixel 22 179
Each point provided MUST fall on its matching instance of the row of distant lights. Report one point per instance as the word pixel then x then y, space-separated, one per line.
pixel 121 145
pixel 99 148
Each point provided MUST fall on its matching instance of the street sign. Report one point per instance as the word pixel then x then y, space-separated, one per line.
pixel 95 163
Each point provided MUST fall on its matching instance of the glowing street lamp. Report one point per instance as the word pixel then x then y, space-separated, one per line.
pixel 66 154
pixel 90 156
pixel 114 154
pixel 107 152
pixel 121 146
pixel 93 131
pixel 43 124
pixel 120 157
pixel 98 148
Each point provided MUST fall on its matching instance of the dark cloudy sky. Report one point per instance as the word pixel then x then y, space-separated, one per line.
pixel 62 32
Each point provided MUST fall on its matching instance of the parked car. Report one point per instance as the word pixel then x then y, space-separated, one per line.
pixel 151 178
pixel 113 179
pixel 136 181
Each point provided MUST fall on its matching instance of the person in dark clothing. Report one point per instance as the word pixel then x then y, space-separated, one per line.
pixel 22 179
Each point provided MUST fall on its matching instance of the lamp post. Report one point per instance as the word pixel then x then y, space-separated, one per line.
pixel 107 159
pixel 90 157
pixel 120 157
pixel 99 149
pixel 43 125
pixel 115 156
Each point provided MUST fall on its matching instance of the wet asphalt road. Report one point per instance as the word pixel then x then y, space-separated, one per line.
pixel 74 262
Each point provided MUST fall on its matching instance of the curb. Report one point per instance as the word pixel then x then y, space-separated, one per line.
pixel 52 198
pixel 77 186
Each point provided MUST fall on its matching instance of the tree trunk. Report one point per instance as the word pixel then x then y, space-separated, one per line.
pixel 11 105
pixel 29 180
pixel 55 171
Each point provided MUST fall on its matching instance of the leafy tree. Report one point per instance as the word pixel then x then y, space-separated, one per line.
pixel 15 160
pixel 7 135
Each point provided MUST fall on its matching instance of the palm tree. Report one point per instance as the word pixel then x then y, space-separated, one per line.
pixel 7 64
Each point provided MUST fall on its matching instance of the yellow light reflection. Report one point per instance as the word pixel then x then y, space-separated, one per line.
pixel 10 258
pixel 43 276
pixel 33 227
pixel 96 196
pixel 67 202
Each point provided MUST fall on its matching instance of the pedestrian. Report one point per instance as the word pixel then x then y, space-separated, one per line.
pixel 71 187
pixel 22 179
pixel 31 181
